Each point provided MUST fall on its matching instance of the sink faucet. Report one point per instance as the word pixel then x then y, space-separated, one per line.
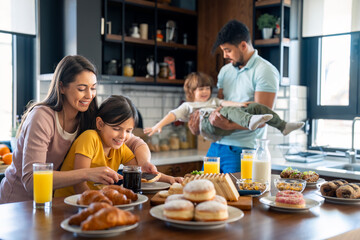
pixel 351 154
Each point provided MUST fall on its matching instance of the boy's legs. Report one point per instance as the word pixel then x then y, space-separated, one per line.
pixel 243 118
pixel 256 108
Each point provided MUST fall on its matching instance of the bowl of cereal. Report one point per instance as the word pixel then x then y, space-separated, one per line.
pixel 290 184
pixel 252 187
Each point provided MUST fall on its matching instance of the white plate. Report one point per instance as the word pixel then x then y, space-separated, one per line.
pixel 96 233
pixel 314 184
pixel 71 200
pixel 155 186
pixel 234 215
pixel 339 200
pixel 270 201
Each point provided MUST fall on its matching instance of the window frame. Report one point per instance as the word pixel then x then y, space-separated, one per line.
pixel 312 62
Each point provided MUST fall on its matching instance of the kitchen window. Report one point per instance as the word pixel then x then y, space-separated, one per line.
pixel 6 85
pixel 333 82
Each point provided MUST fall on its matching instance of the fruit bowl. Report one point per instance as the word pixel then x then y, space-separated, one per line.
pixel 290 184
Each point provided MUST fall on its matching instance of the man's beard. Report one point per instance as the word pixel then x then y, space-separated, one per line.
pixel 239 62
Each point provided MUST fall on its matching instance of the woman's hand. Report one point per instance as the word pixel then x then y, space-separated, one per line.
pixel 102 175
pixel 176 180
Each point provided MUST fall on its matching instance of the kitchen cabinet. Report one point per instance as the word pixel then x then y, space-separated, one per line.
pixel 212 17
pixel 277 49
pixel 119 44
pixel 180 169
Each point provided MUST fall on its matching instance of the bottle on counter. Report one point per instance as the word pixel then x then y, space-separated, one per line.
pixel 262 162
pixel 174 141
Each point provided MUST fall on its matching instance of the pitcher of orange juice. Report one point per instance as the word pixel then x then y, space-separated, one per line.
pixel 247 157
pixel 211 165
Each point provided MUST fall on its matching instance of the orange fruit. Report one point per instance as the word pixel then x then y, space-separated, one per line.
pixel 4 149
pixel 7 158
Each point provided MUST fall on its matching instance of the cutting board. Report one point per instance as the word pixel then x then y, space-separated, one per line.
pixel 3 168
pixel 244 202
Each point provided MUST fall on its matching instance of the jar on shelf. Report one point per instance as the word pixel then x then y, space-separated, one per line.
pixel 164 70
pixel 174 141
pixel 159 36
pixel 184 143
pixel 128 67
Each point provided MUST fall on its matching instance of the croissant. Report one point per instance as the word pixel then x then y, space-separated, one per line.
pixel 129 193
pixel 108 218
pixel 350 190
pixel 329 188
pixel 90 196
pixel 115 197
pixel 81 216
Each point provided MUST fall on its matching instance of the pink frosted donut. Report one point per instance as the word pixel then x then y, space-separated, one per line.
pixel 289 193
pixel 290 198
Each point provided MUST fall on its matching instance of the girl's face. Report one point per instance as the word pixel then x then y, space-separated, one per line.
pixel 114 136
pixel 79 93
pixel 202 94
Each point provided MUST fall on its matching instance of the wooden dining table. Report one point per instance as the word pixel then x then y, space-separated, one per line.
pixel 21 221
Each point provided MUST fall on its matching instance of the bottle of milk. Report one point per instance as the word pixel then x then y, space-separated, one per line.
pixel 262 162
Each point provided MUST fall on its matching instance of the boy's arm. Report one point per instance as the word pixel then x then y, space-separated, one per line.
pixel 234 104
pixel 169 118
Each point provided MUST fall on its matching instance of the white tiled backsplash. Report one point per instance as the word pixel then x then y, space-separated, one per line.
pixel 154 102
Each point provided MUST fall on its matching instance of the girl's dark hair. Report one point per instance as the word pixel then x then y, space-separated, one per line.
pixel 66 71
pixel 195 80
pixel 234 32
pixel 117 109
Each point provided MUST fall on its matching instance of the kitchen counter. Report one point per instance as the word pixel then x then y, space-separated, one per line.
pixel 20 221
pixel 321 167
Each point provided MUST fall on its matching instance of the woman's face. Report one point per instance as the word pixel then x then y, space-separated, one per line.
pixel 114 136
pixel 202 94
pixel 79 94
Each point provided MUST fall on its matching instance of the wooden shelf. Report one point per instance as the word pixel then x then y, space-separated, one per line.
pixel 272 42
pixel 161 6
pixel 170 81
pixel 262 3
pixel 119 38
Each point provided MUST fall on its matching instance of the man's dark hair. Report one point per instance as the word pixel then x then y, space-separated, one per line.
pixel 234 32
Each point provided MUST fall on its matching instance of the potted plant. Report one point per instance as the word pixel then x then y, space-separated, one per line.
pixel 266 23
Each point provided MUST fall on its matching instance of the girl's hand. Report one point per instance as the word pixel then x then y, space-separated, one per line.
pixel 149 168
pixel 102 175
pixel 151 131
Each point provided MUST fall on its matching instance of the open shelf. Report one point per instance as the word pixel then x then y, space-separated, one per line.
pixel 272 42
pixel 266 3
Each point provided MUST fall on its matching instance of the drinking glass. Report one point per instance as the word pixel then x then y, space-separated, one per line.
pixel 43 185
pixel 247 157
pixel 211 164
pixel 132 178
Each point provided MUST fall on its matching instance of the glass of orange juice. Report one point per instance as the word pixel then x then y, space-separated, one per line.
pixel 211 165
pixel 43 184
pixel 247 157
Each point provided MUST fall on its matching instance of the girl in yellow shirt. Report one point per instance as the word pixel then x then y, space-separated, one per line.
pixel 115 121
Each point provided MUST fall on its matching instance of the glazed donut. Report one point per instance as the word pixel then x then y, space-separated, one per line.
pixel 175 197
pixel 211 211
pixel 220 199
pixel 179 210
pixel 199 191
pixel 290 198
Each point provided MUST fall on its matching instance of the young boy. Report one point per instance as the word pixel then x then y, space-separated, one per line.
pixel 198 88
